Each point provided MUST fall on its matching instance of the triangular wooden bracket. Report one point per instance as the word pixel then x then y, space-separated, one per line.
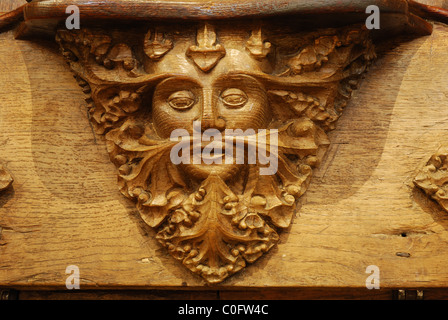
pixel 217 224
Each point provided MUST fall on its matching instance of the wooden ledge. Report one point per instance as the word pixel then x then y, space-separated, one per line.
pixel 43 16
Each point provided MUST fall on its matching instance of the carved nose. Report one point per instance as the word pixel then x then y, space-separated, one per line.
pixel 210 118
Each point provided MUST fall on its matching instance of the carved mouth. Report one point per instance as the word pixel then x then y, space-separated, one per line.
pixel 202 171
pixel 213 157
pixel 222 149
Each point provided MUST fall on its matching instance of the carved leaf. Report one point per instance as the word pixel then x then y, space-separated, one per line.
pixel 5 178
pixel 313 55
pixel 80 44
pixel 146 173
pixel 121 54
pixel 113 104
pixel 433 178
pixel 157 47
pixel 256 45
pixel 206 38
pixel 299 144
pixel 206 54
pixel 213 235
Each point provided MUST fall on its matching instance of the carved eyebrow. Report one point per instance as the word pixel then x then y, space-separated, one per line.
pixel 241 75
pixel 181 78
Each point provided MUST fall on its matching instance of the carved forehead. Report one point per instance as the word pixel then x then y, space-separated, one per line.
pixel 273 55
pixel 235 62
pixel 210 53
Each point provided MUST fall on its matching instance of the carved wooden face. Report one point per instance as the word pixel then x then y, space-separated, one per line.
pixel 227 101
pixel 233 101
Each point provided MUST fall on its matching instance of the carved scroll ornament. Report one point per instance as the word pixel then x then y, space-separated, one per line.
pixel 144 83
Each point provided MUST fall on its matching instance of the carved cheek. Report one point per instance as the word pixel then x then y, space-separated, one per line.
pixel 174 109
pixel 247 109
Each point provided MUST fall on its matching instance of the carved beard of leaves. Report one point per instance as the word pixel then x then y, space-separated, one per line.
pixel 215 227
pixel 214 233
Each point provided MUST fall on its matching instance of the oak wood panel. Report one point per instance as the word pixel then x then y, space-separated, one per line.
pixel 436 3
pixel 9 5
pixel 361 208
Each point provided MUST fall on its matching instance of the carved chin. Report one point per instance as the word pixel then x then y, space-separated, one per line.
pixel 203 171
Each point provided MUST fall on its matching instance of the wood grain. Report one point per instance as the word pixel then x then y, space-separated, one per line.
pixel 9 5
pixel 44 16
pixel 429 12
pixel 215 218
pixel 361 208
pixel 435 3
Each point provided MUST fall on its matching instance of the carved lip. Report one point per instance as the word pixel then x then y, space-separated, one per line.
pixel 43 16
pixel 226 147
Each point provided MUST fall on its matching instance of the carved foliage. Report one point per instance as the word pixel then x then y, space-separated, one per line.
pixel 157 47
pixel 6 179
pixel 206 54
pixel 433 178
pixel 214 233
pixel 257 46
pixel 331 49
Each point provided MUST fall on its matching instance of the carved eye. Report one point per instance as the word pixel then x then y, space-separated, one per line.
pixel 234 98
pixel 181 100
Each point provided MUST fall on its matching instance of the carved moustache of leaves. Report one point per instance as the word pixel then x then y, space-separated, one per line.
pixel 146 173
pixel 433 178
